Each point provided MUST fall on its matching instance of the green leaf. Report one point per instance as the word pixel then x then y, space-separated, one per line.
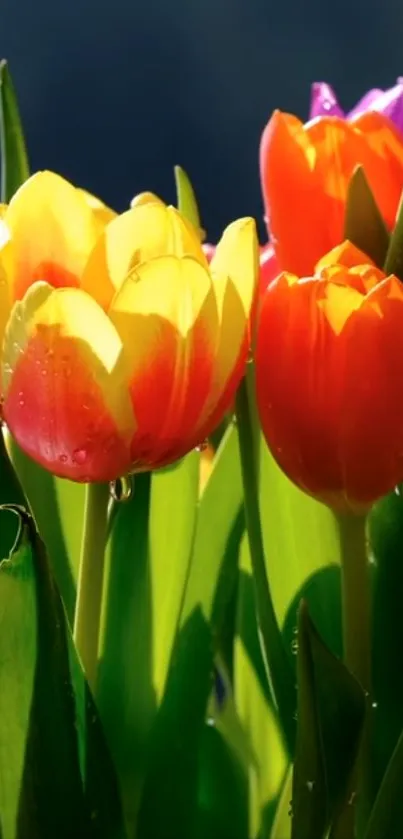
pixel 218 529
pixel 101 789
pixel 186 199
pixel 222 807
pixel 14 161
pixel 147 570
pixel 331 710
pixel 41 793
pixel 40 490
pixel 170 796
pixel 322 591
pixel 173 511
pixel 386 541
pixel 300 536
pixel 255 706
pixel 364 225
pixel 282 824
pixel 10 493
pixel 170 806
pixel 394 256
pixel 386 820
pixel 125 691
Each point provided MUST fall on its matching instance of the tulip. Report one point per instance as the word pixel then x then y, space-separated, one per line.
pixel 305 172
pixel 389 102
pixel 122 351
pixel 329 373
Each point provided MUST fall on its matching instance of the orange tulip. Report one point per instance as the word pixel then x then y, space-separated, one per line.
pixel 329 376
pixel 305 172
pixel 122 351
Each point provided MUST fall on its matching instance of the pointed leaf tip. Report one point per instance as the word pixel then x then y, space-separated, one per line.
pixel 186 199
pixel 14 159
pixel 364 225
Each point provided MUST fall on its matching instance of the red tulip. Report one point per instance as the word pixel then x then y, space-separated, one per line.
pixel 329 376
pixel 305 173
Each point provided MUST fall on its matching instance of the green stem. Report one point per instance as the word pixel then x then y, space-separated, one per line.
pixel 90 578
pixel 355 597
pixel 356 615
pixel 274 653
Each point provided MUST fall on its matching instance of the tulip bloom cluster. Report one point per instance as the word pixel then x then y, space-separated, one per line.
pixel 329 346
pixel 122 348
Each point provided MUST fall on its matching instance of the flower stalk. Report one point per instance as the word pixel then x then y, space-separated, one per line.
pixel 90 579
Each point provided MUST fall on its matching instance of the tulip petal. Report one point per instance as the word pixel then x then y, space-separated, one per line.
pixel 345 254
pixel 384 169
pixel 64 381
pixel 146 198
pixel 383 101
pixel 102 213
pixel 324 101
pixel 235 272
pixel 329 364
pixel 371 429
pixel 291 191
pixel 306 171
pixel 299 376
pixel 52 230
pixel 147 230
pixel 165 313
pixel 268 267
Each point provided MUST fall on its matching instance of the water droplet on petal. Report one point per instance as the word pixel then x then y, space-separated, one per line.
pixel 202 446
pixel 79 456
pixel 44 372
pixel 63 458
pixel 121 489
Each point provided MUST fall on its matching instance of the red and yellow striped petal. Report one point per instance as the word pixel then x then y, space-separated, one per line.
pixel 142 233
pixel 167 319
pixel 53 231
pixel 64 382
pixel 235 271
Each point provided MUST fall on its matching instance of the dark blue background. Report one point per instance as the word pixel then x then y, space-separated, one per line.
pixel 113 94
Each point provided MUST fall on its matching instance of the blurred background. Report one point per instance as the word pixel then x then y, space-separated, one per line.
pixel 113 93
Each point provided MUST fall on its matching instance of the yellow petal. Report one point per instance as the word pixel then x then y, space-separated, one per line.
pixel 53 230
pixel 235 270
pixel 102 213
pixel 144 232
pixel 166 316
pixel 146 198
pixel 48 318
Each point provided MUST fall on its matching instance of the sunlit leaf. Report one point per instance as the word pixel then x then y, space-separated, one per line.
pixel 14 160
pixel 186 199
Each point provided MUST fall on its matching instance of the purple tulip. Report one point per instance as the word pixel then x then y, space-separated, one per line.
pixel 389 102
